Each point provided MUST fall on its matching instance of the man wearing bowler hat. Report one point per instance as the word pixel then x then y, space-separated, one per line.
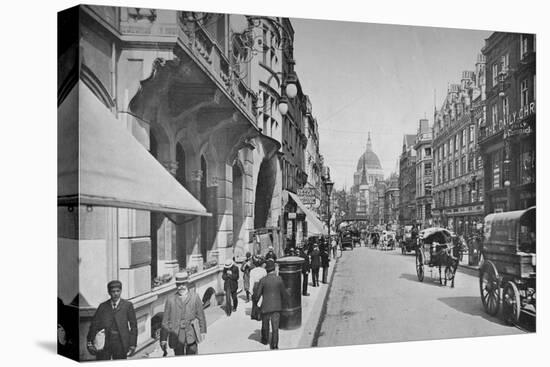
pixel 274 295
pixel 117 319
pixel 183 321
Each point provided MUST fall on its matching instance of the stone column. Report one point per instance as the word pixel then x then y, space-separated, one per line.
pixel 225 213
pixel 194 257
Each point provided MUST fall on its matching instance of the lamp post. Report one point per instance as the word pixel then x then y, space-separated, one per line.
pixel 328 188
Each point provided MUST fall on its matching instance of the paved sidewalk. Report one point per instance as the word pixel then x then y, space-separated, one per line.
pixel 239 333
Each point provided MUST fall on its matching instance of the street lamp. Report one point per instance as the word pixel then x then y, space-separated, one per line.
pixel 328 188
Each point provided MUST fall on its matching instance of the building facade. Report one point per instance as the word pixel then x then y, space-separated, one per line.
pixel 391 200
pixel 186 89
pixel 423 192
pixel 507 138
pixel 458 173
pixel 407 181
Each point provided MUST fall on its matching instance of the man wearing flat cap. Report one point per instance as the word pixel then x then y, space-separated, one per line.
pixel 117 319
pixel 230 276
pixel 274 294
pixel 183 321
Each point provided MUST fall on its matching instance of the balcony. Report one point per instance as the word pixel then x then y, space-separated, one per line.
pixel 169 30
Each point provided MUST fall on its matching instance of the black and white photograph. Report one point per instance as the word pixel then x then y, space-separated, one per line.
pixel 320 188
pixel 227 175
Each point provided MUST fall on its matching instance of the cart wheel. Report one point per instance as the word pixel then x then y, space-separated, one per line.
pixel 420 266
pixel 511 303
pixel 489 288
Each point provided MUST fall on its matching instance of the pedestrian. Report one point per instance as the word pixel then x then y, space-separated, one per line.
pixel 257 273
pixel 305 271
pixel 230 276
pixel 325 259
pixel 183 321
pixel 270 254
pixel 273 292
pixel 315 265
pixel 246 267
pixel 334 247
pixel 115 319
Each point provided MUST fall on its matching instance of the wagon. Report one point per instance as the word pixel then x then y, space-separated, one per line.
pixel 507 275
pixel 437 247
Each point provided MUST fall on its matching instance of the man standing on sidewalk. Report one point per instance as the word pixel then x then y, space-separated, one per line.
pixel 315 265
pixel 273 293
pixel 116 318
pixel 183 321
pixel 246 267
pixel 325 259
pixel 305 271
pixel 257 273
pixel 230 276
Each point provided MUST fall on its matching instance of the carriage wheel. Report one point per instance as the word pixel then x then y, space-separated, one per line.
pixel 511 303
pixel 420 266
pixel 489 288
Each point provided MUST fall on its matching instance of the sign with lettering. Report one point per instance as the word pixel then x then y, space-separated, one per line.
pixel 307 195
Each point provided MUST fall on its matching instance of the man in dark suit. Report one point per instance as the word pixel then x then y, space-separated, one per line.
pixel 315 265
pixel 183 321
pixel 305 271
pixel 230 276
pixel 117 318
pixel 325 259
pixel 274 295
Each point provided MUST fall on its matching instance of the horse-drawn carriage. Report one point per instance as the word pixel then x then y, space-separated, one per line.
pixel 407 241
pixel 438 247
pixel 509 262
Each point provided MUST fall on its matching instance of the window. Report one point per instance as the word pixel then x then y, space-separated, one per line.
pixel 495 74
pixel 494 110
pixel 470 162
pixel 457 172
pixel 505 109
pixel 449 169
pixel 452 196
pixel 524 96
pixel 463 165
pixel 523 44
pixel 464 138
pixel 459 195
pixel 526 166
pixel 472 133
pixel 428 152
pixel 457 142
pixel 505 62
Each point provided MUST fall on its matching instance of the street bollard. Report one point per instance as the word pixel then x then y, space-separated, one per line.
pixel 290 270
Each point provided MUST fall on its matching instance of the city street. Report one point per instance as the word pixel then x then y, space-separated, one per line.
pixel 376 297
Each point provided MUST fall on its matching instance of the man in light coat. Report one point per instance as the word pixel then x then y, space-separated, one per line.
pixel 183 322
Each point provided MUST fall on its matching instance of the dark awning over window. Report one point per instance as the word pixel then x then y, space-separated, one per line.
pixel 101 163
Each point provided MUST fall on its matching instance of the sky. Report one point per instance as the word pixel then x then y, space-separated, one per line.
pixel 365 77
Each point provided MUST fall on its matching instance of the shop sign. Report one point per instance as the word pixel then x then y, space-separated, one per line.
pixel 307 195
pixel 517 120
pixel 291 215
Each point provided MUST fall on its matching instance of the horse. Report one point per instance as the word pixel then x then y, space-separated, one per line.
pixel 448 257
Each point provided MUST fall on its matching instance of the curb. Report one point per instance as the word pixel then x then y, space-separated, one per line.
pixel 321 318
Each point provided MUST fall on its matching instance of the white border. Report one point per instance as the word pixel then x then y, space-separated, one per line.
pixel 29 180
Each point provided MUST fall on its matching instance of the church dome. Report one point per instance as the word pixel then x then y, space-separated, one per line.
pixel 369 159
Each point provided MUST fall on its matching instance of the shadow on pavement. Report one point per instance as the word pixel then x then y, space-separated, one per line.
pixel 256 335
pixel 470 306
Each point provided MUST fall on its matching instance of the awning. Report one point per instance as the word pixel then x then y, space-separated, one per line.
pixel 100 163
pixel 314 226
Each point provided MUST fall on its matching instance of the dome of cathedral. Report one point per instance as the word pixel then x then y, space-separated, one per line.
pixel 370 161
